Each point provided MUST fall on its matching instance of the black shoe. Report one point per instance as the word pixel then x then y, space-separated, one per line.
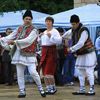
pixel 78 93
pixel 21 95
pixel 90 93
pixel 51 92
pixel 43 94
pixel 47 92
pixel 54 91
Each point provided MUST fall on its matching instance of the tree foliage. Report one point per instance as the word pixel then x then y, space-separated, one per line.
pixel 46 6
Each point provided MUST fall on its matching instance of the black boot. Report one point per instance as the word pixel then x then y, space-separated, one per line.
pixel 43 94
pixel 91 92
pixel 22 94
pixel 51 91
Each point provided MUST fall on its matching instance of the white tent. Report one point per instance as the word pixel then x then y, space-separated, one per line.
pixel 14 19
pixel 89 16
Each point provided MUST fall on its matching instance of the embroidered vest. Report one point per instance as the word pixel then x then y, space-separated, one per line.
pixel 28 51
pixel 88 46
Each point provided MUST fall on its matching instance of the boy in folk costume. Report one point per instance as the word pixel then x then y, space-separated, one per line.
pixel 23 51
pixel 49 39
pixel 86 58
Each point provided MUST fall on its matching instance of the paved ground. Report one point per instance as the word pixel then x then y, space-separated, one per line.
pixel 64 93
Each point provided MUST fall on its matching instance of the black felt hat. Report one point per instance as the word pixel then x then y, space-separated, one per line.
pixel 74 18
pixel 28 14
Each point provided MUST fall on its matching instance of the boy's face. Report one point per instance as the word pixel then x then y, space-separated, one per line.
pixel 74 25
pixel 49 23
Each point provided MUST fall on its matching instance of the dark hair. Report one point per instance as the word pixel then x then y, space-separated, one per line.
pixel 74 18
pixel 49 18
pixel 8 29
pixel 60 29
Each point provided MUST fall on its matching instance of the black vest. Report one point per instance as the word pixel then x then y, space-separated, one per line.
pixel 88 46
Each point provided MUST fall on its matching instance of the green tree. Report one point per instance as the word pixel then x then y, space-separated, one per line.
pixel 51 6
pixel 46 6
pixel 13 5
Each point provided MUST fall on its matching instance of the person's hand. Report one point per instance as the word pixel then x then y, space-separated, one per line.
pixel 11 42
pixel 68 50
pixel 41 34
pixel 49 35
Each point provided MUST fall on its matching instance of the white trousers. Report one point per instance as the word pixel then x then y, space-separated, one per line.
pixel 33 73
pixel 87 72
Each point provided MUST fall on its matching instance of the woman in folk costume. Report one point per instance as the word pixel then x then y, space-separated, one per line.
pixel 23 52
pixel 86 58
pixel 49 39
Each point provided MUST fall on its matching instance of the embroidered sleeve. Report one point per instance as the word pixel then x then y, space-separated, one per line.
pixel 12 36
pixel 67 34
pixel 4 40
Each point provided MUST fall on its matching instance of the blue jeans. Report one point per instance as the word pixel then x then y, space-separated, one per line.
pixel 68 68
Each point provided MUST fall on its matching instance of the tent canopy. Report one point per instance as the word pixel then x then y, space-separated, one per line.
pixel 14 19
pixel 88 14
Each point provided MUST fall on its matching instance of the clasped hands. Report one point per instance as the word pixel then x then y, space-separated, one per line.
pixel 48 34
pixel 11 42
pixel 68 50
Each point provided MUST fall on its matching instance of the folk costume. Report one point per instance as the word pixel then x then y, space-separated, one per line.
pixel 23 54
pixel 49 58
pixel 86 57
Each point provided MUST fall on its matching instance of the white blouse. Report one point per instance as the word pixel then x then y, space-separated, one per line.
pixel 54 39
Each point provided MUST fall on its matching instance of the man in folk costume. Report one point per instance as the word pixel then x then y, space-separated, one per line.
pixel 86 58
pixel 23 41
pixel 49 39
